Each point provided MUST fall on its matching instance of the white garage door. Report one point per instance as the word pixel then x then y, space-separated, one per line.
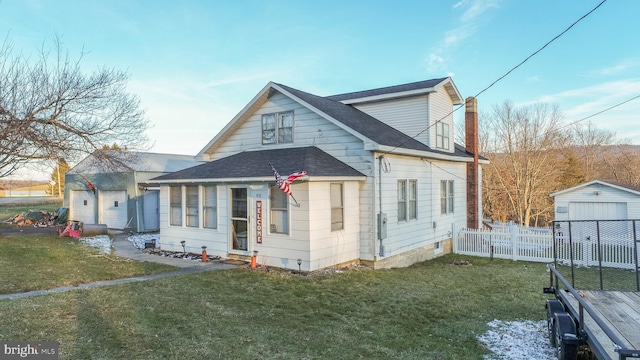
pixel 113 208
pixel 83 206
pixel 151 210
pixel 597 211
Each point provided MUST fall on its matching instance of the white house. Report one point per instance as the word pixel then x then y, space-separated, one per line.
pixel 597 200
pixel 385 183
pixel 115 192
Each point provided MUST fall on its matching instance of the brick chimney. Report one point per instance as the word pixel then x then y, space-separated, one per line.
pixel 471 145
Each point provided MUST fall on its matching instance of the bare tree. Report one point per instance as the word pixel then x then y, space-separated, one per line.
pixel 522 147
pixel 50 108
pixel 590 142
pixel 621 163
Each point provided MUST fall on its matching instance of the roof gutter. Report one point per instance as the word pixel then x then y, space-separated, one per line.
pixel 423 154
pixel 258 179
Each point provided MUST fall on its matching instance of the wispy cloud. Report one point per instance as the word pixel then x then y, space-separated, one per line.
pixel 617 68
pixel 475 8
pixel 466 27
pixel 580 103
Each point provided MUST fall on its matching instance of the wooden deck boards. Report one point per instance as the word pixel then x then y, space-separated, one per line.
pixel 620 310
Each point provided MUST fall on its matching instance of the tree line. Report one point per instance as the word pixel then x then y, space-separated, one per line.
pixel 533 154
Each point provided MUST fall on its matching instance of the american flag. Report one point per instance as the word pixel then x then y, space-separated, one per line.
pixel 283 184
pixel 89 184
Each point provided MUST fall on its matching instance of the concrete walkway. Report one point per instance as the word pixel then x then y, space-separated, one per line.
pixel 124 248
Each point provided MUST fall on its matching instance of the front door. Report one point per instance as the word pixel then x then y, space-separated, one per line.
pixel 239 219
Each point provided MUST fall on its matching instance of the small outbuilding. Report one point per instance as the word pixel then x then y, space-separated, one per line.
pixel 597 200
pixel 114 190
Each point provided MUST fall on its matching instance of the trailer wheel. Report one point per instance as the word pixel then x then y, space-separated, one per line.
pixel 566 337
pixel 553 307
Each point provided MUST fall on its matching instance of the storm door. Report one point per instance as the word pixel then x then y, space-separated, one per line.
pixel 239 219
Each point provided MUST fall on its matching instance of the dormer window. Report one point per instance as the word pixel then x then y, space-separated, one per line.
pixel 442 136
pixel 277 128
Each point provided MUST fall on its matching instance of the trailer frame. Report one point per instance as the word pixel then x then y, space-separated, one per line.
pixel 602 317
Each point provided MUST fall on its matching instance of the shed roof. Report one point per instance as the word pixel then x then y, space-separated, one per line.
pixel 127 161
pixel 613 184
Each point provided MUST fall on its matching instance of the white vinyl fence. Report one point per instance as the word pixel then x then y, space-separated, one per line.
pixel 508 242
pixel 583 243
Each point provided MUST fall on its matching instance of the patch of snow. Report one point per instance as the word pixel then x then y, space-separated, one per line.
pixel 517 340
pixel 139 240
pixel 102 242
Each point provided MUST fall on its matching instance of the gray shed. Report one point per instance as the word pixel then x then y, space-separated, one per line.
pixel 118 193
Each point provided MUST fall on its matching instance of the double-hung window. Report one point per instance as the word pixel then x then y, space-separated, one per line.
pixel 407 200
pixel 277 128
pixel 279 211
pixel 337 208
pixel 209 207
pixel 192 206
pixel 175 204
pixel 413 199
pixel 442 135
pixel 402 200
pixel 446 197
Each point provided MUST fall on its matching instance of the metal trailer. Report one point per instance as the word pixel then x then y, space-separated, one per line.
pixel 595 313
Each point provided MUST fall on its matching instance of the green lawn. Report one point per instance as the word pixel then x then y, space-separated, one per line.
pixel 35 262
pixel 433 310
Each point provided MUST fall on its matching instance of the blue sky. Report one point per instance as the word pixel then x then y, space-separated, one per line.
pixel 196 64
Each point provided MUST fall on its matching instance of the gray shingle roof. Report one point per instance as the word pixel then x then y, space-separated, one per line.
pixel 387 90
pixel 369 126
pixel 253 164
pixel 359 121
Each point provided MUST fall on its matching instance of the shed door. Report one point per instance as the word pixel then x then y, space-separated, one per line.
pixel 597 210
pixel 113 208
pixel 83 206
pixel 151 210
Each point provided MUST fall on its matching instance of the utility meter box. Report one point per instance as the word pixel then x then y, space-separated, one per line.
pixel 382 225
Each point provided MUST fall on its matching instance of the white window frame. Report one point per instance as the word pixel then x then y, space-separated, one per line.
pixel 412 203
pixel 192 205
pixel 277 198
pixel 175 206
pixel 337 206
pixel 447 197
pixel 402 200
pixel 277 131
pixel 407 200
pixel 210 207
pixel 442 135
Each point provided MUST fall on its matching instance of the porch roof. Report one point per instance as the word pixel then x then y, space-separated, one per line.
pixel 255 164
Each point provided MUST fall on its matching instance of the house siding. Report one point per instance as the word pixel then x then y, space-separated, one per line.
pixel 409 115
pixel 440 108
pixel 333 247
pixel 403 236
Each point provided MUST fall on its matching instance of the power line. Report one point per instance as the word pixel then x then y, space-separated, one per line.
pixel 600 112
pixel 447 171
pixel 497 150
pixel 506 74
pixel 542 48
